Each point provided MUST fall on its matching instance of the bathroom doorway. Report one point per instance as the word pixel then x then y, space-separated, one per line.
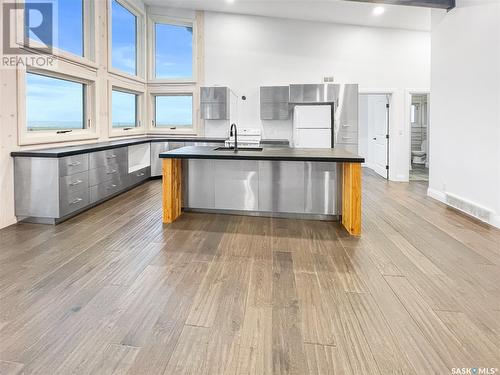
pixel 419 137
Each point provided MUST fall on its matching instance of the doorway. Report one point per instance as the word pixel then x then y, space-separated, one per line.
pixel 374 132
pixel 419 137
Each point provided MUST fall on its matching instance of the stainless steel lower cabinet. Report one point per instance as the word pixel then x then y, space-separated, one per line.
pixel 262 187
pixel 236 184
pixel 322 188
pixel 138 176
pixel 199 183
pixel 156 162
pixel 106 189
pixel 73 201
pixel 281 186
pixel 50 190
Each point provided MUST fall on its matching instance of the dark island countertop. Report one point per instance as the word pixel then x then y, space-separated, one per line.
pixel 278 154
pixel 58 152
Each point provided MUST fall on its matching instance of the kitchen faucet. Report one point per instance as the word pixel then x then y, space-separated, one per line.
pixel 235 136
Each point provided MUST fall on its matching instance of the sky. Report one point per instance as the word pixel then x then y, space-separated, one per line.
pixel 174 45
pixel 53 102
pixel 60 103
pixel 174 110
pixel 123 35
pixel 123 109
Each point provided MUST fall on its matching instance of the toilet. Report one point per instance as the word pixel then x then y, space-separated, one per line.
pixel 420 157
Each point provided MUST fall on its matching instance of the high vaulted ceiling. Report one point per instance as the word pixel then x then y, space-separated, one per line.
pixel 337 11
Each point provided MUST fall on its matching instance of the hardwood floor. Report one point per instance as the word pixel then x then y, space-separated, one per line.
pixel 113 291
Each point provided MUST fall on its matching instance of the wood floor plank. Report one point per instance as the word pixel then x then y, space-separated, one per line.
pixel 323 360
pixel 317 327
pixel 381 339
pixel 11 368
pixel 472 338
pixel 190 352
pixel 441 338
pixel 116 360
pixel 255 344
pixel 287 340
pixel 410 339
pixel 158 344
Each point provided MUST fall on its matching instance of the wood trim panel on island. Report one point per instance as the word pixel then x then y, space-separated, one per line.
pixel 171 189
pixel 351 198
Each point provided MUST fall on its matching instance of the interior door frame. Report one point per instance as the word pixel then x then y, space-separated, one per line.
pixel 408 95
pixel 389 93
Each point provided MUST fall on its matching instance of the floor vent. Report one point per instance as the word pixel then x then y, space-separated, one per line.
pixel 469 208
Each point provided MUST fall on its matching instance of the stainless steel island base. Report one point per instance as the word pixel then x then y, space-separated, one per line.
pixel 297 189
pixel 321 183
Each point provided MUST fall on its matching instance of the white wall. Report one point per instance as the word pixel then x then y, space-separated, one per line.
pixel 246 52
pixel 465 104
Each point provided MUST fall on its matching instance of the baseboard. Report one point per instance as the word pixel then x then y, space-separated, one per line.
pixel 496 221
pixel 437 195
pixel 441 197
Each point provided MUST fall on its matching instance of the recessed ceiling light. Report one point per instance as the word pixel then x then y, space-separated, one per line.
pixel 377 11
pixel 229 1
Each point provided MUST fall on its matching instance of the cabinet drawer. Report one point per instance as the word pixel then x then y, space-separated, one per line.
pixel 105 189
pixel 73 201
pixel 347 137
pixel 106 157
pixel 73 164
pixel 75 182
pixel 138 176
pixel 106 173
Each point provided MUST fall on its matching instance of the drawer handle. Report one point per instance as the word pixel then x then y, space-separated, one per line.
pixel 111 171
pixel 111 156
pixel 77 200
pixel 74 164
pixel 111 186
pixel 346 126
pixel 346 137
pixel 140 174
pixel 77 182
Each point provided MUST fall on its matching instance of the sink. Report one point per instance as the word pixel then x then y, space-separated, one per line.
pixel 239 149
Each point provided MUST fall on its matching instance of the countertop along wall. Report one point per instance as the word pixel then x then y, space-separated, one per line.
pixel 465 105
pixel 246 52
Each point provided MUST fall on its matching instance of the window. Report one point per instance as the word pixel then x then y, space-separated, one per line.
pixel 173 51
pixel 54 104
pixel 69 20
pixel 124 109
pixel 123 39
pixel 174 111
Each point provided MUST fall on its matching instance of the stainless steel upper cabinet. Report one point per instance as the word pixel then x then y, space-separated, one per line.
pixel 313 93
pixel 274 102
pixel 215 103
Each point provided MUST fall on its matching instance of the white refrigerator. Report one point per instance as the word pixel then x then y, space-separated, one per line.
pixel 312 126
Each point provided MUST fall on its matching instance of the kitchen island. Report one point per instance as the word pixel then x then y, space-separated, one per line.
pixel 321 184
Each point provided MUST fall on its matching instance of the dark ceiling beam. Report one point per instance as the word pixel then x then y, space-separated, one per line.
pixel 440 4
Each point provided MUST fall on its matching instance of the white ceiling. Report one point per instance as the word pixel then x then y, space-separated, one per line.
pixel 338 11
